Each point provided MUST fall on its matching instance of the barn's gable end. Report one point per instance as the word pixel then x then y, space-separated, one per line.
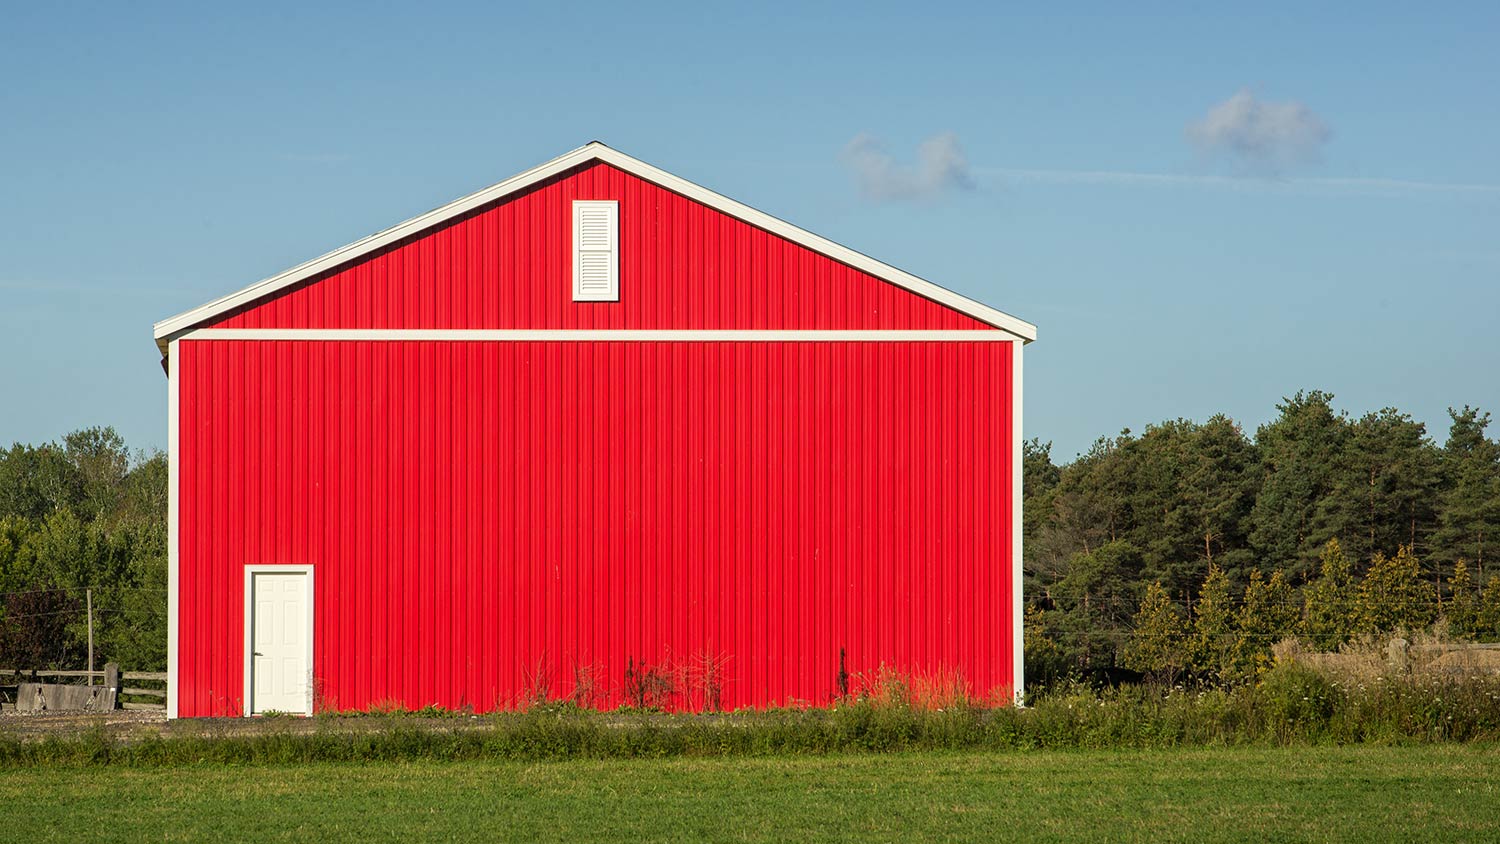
pixel 756 447
pixel 683 265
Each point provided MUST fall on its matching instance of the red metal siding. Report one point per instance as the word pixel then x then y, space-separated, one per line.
pixel 477 509
pixel 683 265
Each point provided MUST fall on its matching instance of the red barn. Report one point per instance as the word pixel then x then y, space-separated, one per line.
pixel 593 432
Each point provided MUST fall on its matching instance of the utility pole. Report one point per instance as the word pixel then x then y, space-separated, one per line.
pixel 88 595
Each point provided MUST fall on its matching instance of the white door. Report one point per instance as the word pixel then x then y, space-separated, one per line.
pixel 280 638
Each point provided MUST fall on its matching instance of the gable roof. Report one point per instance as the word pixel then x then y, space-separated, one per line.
pixel 169 328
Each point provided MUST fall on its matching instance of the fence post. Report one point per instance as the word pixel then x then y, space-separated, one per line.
pixel 112 680
pixel 88 595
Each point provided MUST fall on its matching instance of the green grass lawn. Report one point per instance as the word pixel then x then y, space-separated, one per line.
pixel 1433 793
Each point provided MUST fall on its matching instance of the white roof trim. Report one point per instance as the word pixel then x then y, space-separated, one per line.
pixel 172 326
pixel 600 335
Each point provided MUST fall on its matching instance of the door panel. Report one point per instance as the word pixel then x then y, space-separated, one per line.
pixel 279 631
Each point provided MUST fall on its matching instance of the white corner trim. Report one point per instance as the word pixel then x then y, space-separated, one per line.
pixel 248 694
pixel 170 327
pixel 1017 529
pixel 593 335
pixel 174 624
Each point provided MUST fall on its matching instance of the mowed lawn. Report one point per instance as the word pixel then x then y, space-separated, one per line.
pixel 1433 793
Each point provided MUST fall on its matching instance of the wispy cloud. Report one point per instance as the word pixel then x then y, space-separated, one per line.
pixel 73 289
pixel 314 157
pixel 1351 186
pixel 1260 136
pixel 940 167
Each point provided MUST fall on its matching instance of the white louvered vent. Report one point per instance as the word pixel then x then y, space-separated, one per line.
pixel 596 251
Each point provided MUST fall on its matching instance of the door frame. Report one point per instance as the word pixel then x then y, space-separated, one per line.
pixel 251 571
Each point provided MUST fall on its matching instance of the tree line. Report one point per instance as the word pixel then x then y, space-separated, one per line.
pixel 83 518
pixel 1187 549
pixel 1173 531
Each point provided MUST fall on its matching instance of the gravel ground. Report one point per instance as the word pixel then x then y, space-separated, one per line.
pixel 133 725
pixel 130 725
pixel 36 725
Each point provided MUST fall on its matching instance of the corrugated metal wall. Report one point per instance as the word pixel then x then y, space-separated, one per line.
pixel 683 265
pixel 476 510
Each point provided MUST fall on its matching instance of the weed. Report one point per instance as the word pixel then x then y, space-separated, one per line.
pixel 538 689
pixel 648 687
pixel 704 675
pixel 387 706
pixel 585 690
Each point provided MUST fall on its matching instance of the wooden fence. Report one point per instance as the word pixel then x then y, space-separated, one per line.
pixel 156 698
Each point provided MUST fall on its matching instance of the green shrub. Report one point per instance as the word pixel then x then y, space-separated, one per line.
pixel 1298 702
pixel 1290 705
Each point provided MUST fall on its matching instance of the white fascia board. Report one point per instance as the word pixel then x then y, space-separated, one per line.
pixel 168 328
pixel 942 295
pixel 594 335
pixel 172 325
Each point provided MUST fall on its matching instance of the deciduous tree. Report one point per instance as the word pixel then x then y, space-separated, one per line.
pixel 1269 613
pixel 1461 608
pixel 1158 640
pixel 1329 613
pixel 1213 634
pixel 1393 595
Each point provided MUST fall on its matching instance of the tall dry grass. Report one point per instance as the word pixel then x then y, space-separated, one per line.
pixel 1291 704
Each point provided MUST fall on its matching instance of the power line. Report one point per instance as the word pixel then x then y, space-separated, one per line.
pixel 101 589
pixel 76 610
pixel 1187 636
pixel 42 591
pixel 83 611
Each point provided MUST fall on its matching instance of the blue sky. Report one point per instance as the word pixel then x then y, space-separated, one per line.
pixel 1202 211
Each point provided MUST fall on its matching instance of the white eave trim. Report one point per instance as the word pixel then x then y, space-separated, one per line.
pixel 168 328
pixel 596 335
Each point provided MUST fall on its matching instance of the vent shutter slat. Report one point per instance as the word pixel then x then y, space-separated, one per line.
pixel 593 271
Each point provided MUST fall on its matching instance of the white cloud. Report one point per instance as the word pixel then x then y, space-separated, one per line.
pixel 940 166
pixel 1261 136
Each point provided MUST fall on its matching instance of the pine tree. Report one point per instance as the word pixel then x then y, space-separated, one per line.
pixel 1298 451
pixel 1084 510
pixel 1158 643
pixel 1219 485
pixel 1039 476
pixel 1329 617
pixel 1045 663
pixel 1469 514
pixel 1393 594
pixel 1104 583
pixel 1200 479
pixel 1385 487
pixel 1461 609
pixel 1212 645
